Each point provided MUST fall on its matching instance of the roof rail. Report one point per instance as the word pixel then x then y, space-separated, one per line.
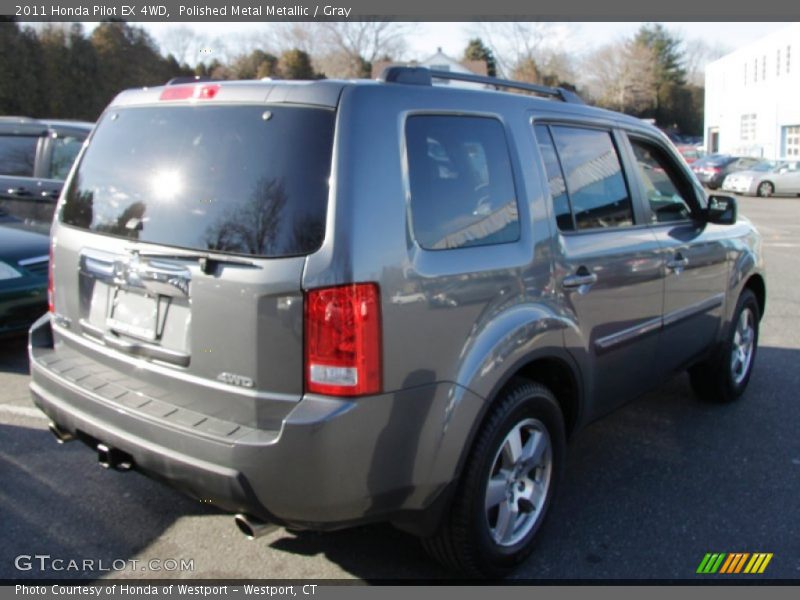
pixel 425 76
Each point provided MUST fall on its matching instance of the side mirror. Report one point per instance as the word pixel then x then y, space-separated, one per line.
pixel 721 210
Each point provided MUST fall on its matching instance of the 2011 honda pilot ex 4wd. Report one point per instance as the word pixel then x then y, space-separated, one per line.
pixel 326 303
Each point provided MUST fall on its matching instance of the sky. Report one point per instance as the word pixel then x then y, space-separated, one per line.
pixel 453 37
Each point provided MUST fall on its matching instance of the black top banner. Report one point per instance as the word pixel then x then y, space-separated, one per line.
pixel 405 10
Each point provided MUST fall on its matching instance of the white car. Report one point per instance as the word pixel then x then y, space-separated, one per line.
pixel 765 179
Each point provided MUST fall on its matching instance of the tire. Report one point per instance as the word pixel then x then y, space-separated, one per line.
pixel 725 377
pixel 765 189
pixel 472 538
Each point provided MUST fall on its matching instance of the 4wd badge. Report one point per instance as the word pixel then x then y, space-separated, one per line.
pixel 234 379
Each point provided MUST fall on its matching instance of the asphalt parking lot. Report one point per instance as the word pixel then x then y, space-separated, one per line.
pixel 648 491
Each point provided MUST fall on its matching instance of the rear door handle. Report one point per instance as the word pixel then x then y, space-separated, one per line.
pixel 20 191
pixel 582 277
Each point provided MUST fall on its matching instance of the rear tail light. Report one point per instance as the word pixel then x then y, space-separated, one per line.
pixel 343 340
pixel 714 170
pixel 50 291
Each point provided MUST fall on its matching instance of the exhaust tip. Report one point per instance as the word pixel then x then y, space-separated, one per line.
pixel 253 528
pixel 60 435
pixel 112 458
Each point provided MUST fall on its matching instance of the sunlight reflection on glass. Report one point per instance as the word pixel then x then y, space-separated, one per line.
pixel 166 184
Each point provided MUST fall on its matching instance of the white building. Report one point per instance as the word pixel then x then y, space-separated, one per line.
pixel 752 104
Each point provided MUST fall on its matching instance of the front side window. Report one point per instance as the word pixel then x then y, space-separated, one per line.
pixel 595 184
pixel 461 182
pixel 666 193
pixel 17 155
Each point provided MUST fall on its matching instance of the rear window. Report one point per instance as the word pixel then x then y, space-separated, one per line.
pixel 239 179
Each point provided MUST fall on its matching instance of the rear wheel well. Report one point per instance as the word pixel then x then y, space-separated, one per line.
pixel 756 285
pixel 559 378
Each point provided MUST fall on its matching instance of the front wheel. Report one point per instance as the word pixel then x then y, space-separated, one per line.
pixel 507 485
pixel 725 377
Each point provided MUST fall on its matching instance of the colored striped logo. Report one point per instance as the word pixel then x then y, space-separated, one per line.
pixel 733 563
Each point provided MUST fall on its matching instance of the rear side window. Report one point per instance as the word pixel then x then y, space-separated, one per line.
pixel 17 155
pixel 595 184
pixel 240 179
pixel 461 182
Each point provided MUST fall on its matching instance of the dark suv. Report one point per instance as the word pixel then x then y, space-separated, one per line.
pixel 328 303
pixel 35 157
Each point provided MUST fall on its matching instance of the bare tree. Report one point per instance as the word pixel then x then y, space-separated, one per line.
pixel 623 76
pixel 515 44
pixel 184 43
pixel 365 40
pixel 698 54
pixel 301 35
pixel 558 67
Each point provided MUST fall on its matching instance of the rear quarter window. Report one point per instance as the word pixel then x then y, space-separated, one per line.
pixel 461 182
pixel 65 149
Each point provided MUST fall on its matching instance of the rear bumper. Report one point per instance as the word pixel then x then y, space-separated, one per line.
pixel 710 180
pixel 333 463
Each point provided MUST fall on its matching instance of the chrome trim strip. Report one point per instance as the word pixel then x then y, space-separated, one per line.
pixel 609 342
pixel 34 261
pixel 695 309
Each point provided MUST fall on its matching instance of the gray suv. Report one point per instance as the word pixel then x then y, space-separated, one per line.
pixel 328 303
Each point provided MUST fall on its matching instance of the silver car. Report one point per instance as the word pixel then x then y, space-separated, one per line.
pixel 329 303
pixel 765 179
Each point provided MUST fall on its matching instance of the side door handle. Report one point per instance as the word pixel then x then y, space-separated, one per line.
pixel 678 263
pixel 19 191
pixel 582 277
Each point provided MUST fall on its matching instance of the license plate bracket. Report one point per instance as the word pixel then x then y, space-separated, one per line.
pixel 134 315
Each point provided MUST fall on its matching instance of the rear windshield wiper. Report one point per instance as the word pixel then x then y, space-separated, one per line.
pixel 208 261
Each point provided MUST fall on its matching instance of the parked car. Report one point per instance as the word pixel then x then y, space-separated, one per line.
pixel 24 257
pixel 342 302
pixel 712 170
pixel 765 179
pixel 690 153
pixel 35 157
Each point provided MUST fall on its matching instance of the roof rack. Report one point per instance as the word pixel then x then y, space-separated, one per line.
pixel 425 76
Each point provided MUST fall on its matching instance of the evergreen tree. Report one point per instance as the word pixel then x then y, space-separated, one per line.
pixel 477 50
pixel 296 64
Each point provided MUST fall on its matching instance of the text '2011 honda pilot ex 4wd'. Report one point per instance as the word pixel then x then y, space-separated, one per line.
pixel 328 303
